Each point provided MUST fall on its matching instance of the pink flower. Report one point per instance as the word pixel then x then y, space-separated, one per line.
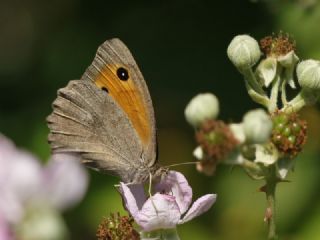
pixel 27 186
pixel 168 206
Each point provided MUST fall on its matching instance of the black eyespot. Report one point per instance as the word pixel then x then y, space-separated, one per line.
pixel 122 74
pixel 105 89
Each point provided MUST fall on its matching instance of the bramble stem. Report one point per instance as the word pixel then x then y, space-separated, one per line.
pixel 252 81
pixel 258 98
pixel 304 97
pixel 284 93
pixel 274 94
pixel 270 189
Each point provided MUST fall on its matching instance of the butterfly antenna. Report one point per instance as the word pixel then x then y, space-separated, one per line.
pixel 179 164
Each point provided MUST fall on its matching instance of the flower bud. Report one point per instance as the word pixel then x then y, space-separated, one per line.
pixel 257 126
pixel 202 107
pixel 244 51
pixel 308 73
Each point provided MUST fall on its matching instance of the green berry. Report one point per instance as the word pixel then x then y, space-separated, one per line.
pixel 289 133
pixel 292 139
pixel 279 127
pixel 277 138
pixel 295 127
pixel 282 118
pixel 286 131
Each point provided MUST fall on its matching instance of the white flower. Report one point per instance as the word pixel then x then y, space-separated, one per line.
pixel 244 51
pixel 257 126
pixel 202 107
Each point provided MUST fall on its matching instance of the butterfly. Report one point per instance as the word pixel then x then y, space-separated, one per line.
pixel 107 117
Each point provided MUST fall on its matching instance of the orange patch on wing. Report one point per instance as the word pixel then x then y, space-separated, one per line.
pixel 128 97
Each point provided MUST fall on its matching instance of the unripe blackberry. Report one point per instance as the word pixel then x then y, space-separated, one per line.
pixel 217 141
pixel 289 133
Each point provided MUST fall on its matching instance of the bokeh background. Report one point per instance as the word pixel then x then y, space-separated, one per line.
pixel 180 46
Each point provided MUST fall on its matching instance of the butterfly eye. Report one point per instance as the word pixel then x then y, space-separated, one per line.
pixel 105 89
pixel 122 74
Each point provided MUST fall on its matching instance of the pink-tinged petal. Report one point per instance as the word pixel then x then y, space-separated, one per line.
pixel 11 208
pixel 6 147
pixel 138 192
pixel 5 233
pixel 176 184
pixel 129 200
pixel 21 171
pixel 65 181
pixel 20 179
pixel 25 177
pixel 200 206
pixel 166 214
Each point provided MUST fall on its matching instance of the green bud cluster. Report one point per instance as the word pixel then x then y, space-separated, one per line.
pixel 277 68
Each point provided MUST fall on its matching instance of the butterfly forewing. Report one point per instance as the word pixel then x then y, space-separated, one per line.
pixel 106 117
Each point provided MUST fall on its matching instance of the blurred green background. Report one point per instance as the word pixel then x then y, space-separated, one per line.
pixel 180 47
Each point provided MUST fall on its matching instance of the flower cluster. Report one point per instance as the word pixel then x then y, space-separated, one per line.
pixel 32 195
pixel 265 143
pixel 263 140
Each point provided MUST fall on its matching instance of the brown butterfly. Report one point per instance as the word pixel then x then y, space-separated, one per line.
pixel 107 117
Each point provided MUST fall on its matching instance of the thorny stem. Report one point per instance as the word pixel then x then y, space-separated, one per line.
pixel 270 217
pixel 251 165
pixel 253 170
